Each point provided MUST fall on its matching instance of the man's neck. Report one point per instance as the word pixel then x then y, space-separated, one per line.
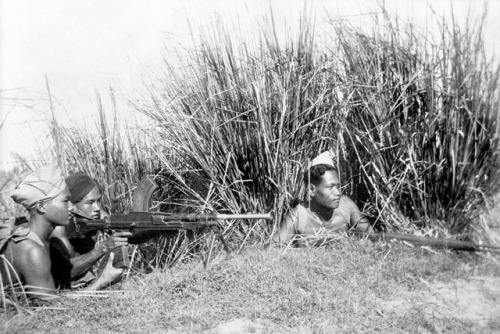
pixel 321 211
pixel 41 227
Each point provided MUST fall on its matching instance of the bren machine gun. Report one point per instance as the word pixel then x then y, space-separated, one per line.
pixel 144 225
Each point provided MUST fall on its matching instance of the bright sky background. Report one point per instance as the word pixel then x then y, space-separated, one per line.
pixel 88 46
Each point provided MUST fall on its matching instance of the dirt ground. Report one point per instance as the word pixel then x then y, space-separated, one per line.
pixel 474 301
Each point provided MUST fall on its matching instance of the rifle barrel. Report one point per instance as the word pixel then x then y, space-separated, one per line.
pixel 433 242
pixel 488 247
pixel 266 216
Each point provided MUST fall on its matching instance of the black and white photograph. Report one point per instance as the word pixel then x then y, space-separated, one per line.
pixel 249 167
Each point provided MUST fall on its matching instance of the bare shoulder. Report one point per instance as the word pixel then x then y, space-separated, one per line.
pixel 30 253
pixel 32 263
pixel 27 255
pixel 357 220
pixel 348 203
pixel 289 219
pixel 287 227
pixel 295 212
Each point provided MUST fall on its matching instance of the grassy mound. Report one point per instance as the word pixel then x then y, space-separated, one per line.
pixel 342 288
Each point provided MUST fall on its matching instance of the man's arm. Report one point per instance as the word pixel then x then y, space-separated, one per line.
pixel 109 276
pixel 81 263
pixel 363 226
pixel 357 222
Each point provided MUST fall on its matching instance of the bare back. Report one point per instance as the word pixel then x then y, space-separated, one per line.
pixel 27 261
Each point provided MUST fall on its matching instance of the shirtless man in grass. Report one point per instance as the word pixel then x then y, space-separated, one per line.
pixel 327 210
pixel 46 197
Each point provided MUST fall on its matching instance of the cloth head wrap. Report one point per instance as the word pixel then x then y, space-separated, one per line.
pixel 325 158
pixel 42 185
pixel 79 184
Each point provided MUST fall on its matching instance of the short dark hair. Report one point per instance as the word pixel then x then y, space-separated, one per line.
pixel 313 174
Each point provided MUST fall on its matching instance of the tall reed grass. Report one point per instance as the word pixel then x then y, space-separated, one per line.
pixel 243 116
pixel 113 152
pixel 422 123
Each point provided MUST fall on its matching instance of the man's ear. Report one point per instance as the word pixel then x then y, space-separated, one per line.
pixel 311 190
pixel 41 207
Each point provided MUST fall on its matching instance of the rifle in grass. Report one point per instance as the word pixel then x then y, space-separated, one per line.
pixel 430 242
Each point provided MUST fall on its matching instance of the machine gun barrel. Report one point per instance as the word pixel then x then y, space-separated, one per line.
pixel 191 217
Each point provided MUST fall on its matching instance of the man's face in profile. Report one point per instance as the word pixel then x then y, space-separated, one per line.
pixel 90 205
pixel 59 210
pixel 327 193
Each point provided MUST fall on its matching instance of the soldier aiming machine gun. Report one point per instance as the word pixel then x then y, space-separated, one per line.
pixel 138 223
pixel 140 220
pixel 145 225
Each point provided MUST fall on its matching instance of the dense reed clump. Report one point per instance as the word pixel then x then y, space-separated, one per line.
pixel 413 121
pixel 422 123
